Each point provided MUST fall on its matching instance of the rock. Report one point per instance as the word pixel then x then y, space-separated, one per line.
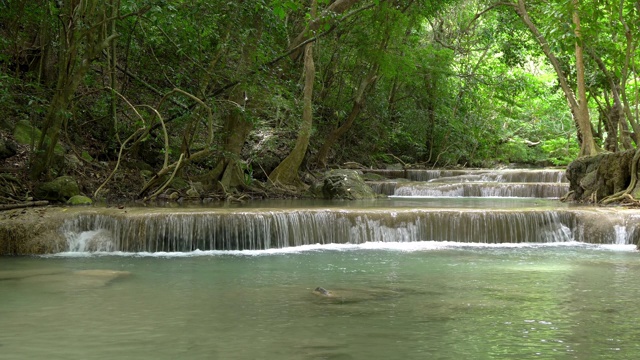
pixel 373 177
pixel 79 200
pixel 60 189
pixel 26 134
pixel 592 178
pixel 193 193
pixel 147 174
pixel 179 183
pixel 8 148
pixel 342 184
pixel 72 161
pixel 396 166
pixel 86 157
pixel 320 291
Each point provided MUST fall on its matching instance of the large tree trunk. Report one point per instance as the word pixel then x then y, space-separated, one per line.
pixel 228 172
pixel 286 173
pixel 585 135
pixel 588 146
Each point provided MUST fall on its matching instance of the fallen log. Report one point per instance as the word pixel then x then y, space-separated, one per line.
pixel 23 205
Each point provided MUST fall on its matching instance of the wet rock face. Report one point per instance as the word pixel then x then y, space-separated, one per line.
pixel 343 184
pixel 595 177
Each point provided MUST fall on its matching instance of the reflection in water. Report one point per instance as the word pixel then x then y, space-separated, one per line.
pixel 446 302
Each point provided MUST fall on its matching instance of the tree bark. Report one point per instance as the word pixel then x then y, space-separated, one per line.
pixel 585 135
pixel 358 104
pixel 286 173
pixel 82 41
pixel 588 146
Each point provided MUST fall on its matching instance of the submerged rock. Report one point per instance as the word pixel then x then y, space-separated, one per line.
pixel 76 280
pixel 343 184
pixel 320 291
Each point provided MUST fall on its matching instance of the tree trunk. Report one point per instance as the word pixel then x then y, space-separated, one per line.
pixel 588 146
pixel 228 171
pixel 358 103
pixel 286 173
pixel 328 16
pixel 82 41
pixel 585 135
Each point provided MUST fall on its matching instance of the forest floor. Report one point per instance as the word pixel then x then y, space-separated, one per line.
pixel 121 186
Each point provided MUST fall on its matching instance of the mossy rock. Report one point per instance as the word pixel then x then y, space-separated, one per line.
pixel 79 200
pixel 146 174
pixel 60 189
pixel 179 184
pixel 343 184
pixel 8 148
pixel 86 157
pixel 26 134
pixel 373 177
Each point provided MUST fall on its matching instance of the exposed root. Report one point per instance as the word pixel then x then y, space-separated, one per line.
pixel 626 194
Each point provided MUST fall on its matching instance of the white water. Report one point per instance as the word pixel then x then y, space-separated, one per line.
pixel 418 246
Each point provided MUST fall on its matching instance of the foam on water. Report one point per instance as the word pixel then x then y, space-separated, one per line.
pixel 380 246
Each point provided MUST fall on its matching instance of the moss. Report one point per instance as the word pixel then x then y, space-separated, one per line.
pixel 60 189
pixel 26 134
pixel 79 200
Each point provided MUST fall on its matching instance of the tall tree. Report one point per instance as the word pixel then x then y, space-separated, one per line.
pixel 286 173
pixel 82 40
pixel 579 106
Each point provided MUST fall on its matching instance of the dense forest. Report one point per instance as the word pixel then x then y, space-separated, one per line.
pixel 152 98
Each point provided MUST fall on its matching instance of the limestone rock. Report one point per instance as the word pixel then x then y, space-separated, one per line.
pixel 342 184
pixel 60 189
pixel 594 177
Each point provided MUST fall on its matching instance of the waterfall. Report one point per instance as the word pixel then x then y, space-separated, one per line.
pixel 536 190
pixel 257 230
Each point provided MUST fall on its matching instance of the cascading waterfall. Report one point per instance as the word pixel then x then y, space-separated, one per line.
pixel 182 230
pixel 535 190
pixel 259 230
pixel 546 183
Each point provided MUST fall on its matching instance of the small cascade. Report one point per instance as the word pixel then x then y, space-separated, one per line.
pixel 535 190
pixel 90 241
pixel 529 183
pixel 622 237
pixel 472 175
pixel 383 187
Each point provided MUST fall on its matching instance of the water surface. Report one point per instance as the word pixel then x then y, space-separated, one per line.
pixel 425 300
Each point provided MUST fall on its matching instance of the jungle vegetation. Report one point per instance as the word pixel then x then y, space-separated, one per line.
pixel 225 93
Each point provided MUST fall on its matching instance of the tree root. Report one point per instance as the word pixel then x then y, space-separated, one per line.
pixel 626 194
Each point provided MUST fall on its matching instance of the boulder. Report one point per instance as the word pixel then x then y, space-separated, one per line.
pixel 8 148
pixel 342 184
pixel 60 189
pixel 26 134
pixel 593 178
pixel 79 200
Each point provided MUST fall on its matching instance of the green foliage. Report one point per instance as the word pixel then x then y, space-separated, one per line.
pixel 450 88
